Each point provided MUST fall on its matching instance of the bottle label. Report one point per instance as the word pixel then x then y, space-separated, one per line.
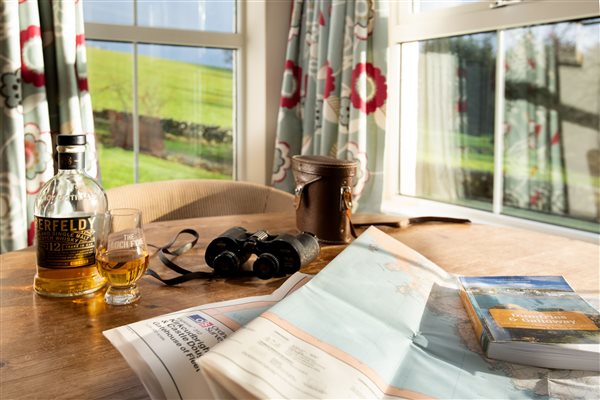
pixel 65 242
pixel 71 160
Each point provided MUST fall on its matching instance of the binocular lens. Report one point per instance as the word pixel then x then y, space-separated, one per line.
pixel 226 263
pixel 266 266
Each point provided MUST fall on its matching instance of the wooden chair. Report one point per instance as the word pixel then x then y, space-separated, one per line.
pixel 190 198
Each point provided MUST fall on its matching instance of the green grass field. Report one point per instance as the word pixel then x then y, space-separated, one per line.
pixel 116 165
pixel 167 90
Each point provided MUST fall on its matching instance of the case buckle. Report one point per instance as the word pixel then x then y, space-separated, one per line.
pixel 345 198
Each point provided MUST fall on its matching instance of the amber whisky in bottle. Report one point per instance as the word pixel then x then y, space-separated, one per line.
pixel 67 214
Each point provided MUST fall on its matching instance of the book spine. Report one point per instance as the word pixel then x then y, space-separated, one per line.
pixel 480 332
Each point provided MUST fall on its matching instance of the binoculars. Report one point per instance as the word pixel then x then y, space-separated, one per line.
pixel 277 255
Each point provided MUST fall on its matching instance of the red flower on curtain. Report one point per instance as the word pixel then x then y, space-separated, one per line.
pixel 32 63
pixel 82 82
pixel 329 81
pixel 292 74
pixel 369 89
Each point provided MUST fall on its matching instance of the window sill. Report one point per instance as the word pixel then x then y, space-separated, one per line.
pixel 410 206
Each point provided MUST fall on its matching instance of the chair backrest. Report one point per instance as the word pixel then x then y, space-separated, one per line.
pixel 190 198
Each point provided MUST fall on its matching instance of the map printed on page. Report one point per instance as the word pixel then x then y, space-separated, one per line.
pixel 379 321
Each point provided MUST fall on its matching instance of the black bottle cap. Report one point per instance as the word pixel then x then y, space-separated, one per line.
pixel 71 140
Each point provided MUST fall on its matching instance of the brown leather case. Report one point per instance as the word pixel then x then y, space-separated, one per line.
pixel 324 197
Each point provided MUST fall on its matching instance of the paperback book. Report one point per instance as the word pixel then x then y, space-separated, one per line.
pixel 533 320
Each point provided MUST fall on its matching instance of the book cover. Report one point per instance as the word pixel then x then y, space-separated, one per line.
pixel 536 310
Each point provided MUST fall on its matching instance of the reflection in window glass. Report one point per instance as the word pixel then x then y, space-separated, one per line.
pixel 110 70
pixel 202 15
pixel 552 123
pixel 186 112
pixel 455 120
pixel 118 12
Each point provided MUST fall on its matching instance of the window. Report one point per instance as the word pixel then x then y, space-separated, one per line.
pixel 163 78
pixel 499 112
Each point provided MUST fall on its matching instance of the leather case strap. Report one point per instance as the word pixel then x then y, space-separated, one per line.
pixel 363 219
pixel 185 275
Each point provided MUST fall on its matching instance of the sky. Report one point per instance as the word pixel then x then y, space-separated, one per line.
pixel 208 15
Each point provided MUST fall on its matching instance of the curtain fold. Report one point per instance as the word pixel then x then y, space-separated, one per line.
pixel 334 91
pixel 439 176
pixel 43 93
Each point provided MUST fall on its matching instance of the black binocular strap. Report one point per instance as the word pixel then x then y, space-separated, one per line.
pixel 185 275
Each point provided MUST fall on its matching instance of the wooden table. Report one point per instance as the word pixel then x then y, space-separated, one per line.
pixel 54 348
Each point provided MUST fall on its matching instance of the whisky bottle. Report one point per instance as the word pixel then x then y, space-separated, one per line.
pixel 67 216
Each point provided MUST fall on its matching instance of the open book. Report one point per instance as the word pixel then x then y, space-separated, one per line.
pixel 164 351
pixel 379 321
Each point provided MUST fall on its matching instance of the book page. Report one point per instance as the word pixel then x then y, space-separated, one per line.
pixel 164 351
pixel 379 321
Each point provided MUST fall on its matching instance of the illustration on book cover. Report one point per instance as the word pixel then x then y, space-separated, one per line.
pixel 542 309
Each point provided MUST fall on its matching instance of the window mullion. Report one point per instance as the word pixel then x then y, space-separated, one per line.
pixel 135 123
pixel 409 117
pixel 135 117
pixel 499 126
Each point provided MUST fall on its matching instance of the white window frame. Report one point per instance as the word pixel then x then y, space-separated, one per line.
pixel 405 27
pixel 258 79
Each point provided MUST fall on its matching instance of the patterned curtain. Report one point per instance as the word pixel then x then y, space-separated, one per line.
pixel 43 92
pixel 334 91
pixel 534 159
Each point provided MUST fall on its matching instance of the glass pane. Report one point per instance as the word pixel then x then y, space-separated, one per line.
pixel 454 119
pixel 119 12
pixel 202 15
pixel 185 101
pixel 431 5
pixel 552 123
pixel 110 69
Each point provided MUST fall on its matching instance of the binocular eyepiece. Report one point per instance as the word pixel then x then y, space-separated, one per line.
pixel 277 255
